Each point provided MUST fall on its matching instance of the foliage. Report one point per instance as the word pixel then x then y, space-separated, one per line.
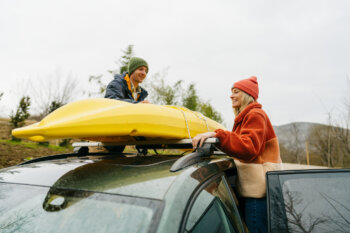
pixel 33 145
pixel 55 105
pixel 1 94
pixel 321 143
pixel 22 113
pixel 124 61
pixel 101 86
pixel 17 119
pixel 123 66
pixel 207 110
pixel 191 99
pixel 161 92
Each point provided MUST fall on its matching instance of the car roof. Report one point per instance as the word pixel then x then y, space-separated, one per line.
pixel 140 176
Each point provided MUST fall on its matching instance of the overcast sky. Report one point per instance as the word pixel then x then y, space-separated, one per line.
pixel 299 50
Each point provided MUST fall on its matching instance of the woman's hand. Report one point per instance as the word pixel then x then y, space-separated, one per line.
pixel 198 140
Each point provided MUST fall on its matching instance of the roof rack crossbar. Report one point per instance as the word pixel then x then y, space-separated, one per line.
pixel 195 157
pixel 148 144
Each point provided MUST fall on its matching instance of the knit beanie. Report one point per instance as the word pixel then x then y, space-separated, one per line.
pixel 136 62
pixel 249 85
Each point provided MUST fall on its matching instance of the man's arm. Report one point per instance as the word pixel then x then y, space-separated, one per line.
pixel 115 90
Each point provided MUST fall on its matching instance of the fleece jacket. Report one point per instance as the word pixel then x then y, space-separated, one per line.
pixel 254 146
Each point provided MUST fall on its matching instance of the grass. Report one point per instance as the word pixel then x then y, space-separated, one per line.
pixel 34 145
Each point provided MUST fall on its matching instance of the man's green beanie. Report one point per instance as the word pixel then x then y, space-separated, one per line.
pixel 136 62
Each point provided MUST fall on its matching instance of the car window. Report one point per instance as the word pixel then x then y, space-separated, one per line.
pixel 310 202
pixel 214 210
pixel 25 208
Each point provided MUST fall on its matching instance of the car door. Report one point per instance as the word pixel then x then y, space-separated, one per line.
pixel 309 201
pixel 212 209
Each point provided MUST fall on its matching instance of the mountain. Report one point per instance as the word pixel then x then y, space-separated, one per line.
pixel 295 133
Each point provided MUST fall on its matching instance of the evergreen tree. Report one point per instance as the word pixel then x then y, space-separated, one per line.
pixel 55 105
pixel 191 99
pixel 124 60
pixel 18 119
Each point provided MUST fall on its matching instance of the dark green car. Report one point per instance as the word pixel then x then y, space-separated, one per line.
pixel 121 192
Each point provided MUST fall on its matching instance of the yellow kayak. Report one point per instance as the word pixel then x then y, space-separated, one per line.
pixel 108 120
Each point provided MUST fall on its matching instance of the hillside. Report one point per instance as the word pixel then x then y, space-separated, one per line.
pixel 320 144
pixel 289 132
pixel 12 153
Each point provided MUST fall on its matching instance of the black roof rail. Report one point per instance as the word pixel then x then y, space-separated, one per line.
pixel 206 150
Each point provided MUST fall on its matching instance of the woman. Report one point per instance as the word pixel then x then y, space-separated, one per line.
pixel 254 146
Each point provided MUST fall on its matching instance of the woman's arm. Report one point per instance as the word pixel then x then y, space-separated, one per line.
pixel 247 144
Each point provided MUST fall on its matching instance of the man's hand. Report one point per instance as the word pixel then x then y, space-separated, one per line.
pixel 198 140
pixel 144 102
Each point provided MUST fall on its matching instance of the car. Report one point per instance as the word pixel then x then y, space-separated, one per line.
pixel 142 192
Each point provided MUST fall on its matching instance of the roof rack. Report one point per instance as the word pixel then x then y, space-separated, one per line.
pixel 208 149
pixel 83 147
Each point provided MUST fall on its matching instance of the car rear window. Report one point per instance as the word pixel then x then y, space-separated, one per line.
pixel 25 208
pixel 309 202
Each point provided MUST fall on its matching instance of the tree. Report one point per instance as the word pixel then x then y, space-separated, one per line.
pixel 323 141
pixel 332 142
pixel 1 94
pixel 343 128
pixel 162 92
pixel 22 113
pixel 123 66
pixel 125 59
pixel 191 99
pixel 54 89
pixel 55 105
pixel 209 111
pixel 101 86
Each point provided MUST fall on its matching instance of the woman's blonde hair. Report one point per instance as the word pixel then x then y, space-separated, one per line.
pixel 246 99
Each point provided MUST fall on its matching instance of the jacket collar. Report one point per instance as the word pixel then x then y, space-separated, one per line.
pixel 247 109
pixel 131 86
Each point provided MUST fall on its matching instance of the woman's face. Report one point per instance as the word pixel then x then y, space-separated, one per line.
pixel 236 98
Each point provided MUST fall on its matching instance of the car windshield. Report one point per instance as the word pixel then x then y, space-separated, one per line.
pixel 25 208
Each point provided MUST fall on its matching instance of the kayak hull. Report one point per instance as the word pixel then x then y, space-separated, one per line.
pixel 108 120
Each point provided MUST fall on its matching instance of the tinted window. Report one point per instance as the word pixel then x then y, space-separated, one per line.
pixel 213 219
pixel 214 210
pixel 310 202
pixel 26 208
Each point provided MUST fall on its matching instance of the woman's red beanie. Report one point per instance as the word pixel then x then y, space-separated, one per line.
pixel 249 85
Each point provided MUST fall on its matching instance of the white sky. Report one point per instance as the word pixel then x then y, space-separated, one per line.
pixel 299 50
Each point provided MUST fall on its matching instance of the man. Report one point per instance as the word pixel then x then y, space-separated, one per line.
pixel 126 86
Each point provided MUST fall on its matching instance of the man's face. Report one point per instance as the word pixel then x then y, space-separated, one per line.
pixel 139 74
